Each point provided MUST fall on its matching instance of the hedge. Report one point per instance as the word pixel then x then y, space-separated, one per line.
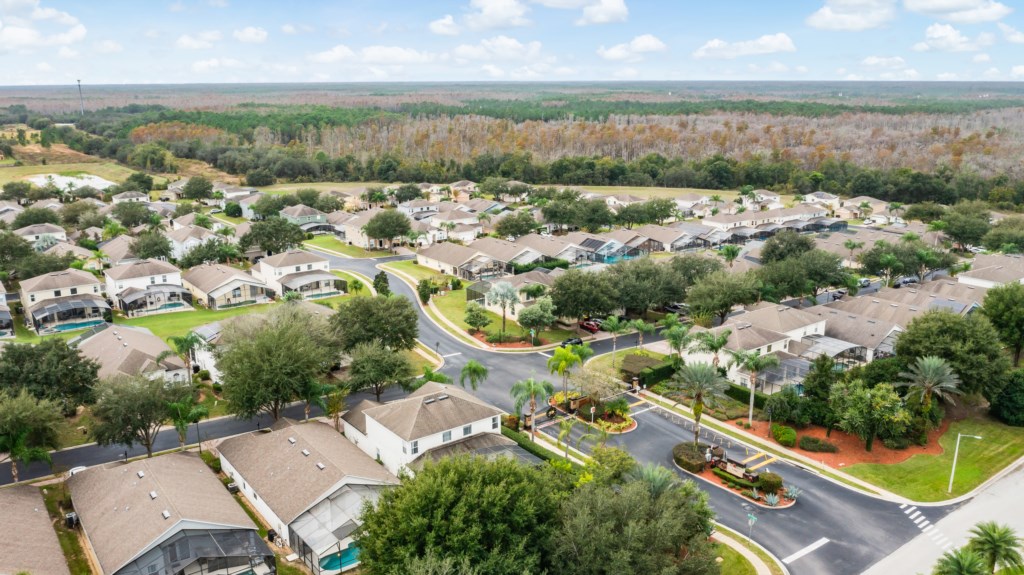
pixel 652 375
pixel 732 479
pixel 635 363
pixel 786 436
pixel 770 482
pixel 813 444
pixel 690 457
pixel 740 393
pixel 550 265
pixel 524 441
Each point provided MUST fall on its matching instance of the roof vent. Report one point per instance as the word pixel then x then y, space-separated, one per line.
pixel 442 398
pixel 305 452
pixel 152 494
pixel 320 466
pixel 428 401
pixel 125 344
pixel 166 514
pixel 291 440
pixel 141 474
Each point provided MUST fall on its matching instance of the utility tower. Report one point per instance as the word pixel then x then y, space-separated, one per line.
pixel 81 100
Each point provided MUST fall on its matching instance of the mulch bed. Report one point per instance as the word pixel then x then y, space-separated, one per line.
pixel 480 336
pixel 709 476
pixel 851 448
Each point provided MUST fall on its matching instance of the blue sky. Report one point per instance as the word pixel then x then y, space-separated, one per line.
pixel 179 41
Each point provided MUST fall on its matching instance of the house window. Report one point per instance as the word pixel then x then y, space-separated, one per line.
pixel 163 279
pixel 74 291
pixel 309 267
pixel 32 297
pixel 415 447
pixel 446 437
pixel 467 430
pixel 237 292
pixel 494 422
pixel 769 348
pixel 56 293
pixel 120 287
pixel 298 268
pixel 95 289
pixel 152 280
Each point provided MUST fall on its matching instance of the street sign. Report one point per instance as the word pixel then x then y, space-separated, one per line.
pixel 751 519
pixel 592 409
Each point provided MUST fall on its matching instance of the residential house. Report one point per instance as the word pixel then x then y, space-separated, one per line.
pixel 248 202
pixel 744 336
pixel 463 188
pixel 752 219
pixel 63 301
pixel 506 253
pixel 795 323
pixel 483 206
pixel 664 238
pixel 420 206
pixel 433 418
pixel 230 193
pixel 188 238
pixel 309 219
pixel 993 270
pixel 310 484
pixel 118 251
pixel 351 200
pixel 175 190
pixel 459 261
pixel 921 297
pixel 517 192
pixel 635 242
pixel 47 204
pixel 6 320
pixel 130 197
pixel 860 207
pixel 866 339
pixel 299 271
pixel 167 514
pixel 881 309
pixel 554 247
pixel 619 200
pixel 764 200
pixel 190 220
pixel 521 283
pixel 825 199
pixel 218 286
pixel 692 204
pixel 127 350
pixel 699 235
pixel 449 220
pixel 145 287
pixel 42 236
pixel 29 544
pixel 352 231
pixel 89 260
pixel 600 248
pixel 337 220
pixel 9 212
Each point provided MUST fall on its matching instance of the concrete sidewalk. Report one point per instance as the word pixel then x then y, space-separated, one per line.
pixel 999 502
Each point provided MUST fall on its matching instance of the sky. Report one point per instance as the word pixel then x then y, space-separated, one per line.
pixel 216 41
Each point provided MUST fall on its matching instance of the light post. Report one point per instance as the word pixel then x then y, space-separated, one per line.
pixel 956 453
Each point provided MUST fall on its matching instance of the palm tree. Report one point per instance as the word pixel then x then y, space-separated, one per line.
pixel 889 264
pixel 355 286
pixel 474 372
pixel 704 385
pixel 930 376
pixel 291 296
pixel 641 328
pixel 15 445
pixel 678 338
pixel 184 346
pixel 730 252
pixel 658 479
pixel 909 237
pixel 937 227
pixel 313 394
pixel 896 208
pixel 852 246
pixel 753 362
pixel 335 405
pixel 864 209
pixel 530 391
pixel 565 432
pixel 562 360
pixel 503 295
pixel 184 413
pixel 615 327
pixel 962 561
pixel 998 545
pixel 435 376
pixel 711 342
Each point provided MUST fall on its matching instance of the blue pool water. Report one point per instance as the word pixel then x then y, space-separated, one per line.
pixel 78 325
pixel 340 560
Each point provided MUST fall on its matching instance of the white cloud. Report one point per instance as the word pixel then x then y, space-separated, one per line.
pixel 289 29
pixel 852 14
pixel 444 26
pixel 215 64
pixel 626 73
pixel 770 68
pixel 604 12
pixel 108 47
pixel 632 51
pixel 394 55
pixel 250 35
pixel 497 14
pixel 498 48
pixel 962 11
pixel 218 3
pixel 492 70
pixel 1017 71
pixel 176 7
pixel 43 67
pixel 767 44
pixel 67 53
pixel 946 38
pixel 1012 34
pixel 979 58
pixel 885 63
pixel 198 41
pixel 19 29
pixel 947 76
pixel 992 73
pixel 802 69
pixel 335 54
pixel 908 74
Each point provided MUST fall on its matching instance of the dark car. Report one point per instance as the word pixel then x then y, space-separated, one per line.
pixel 572 341
pixel 676 308
pixel 590 325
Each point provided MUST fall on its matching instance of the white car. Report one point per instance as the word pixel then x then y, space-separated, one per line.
pixel 976 250
pixel 76 470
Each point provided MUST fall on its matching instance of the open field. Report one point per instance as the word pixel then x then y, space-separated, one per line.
pixel 106 170
pixel 180 323
pixel 320 186
pixel 926 477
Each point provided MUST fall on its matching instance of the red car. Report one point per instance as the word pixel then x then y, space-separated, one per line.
pixel 590 325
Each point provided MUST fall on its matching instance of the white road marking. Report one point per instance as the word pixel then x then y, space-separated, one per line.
pixel 909 510
pixel 544 354
pixel 642 411
pixel 929 528
pixel 925 524
pixel 904 506
pixel 809 549
pixel 919 520
pixel 915 514
pixel 452 354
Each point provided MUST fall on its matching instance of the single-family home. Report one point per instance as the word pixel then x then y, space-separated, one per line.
pixel 636 243
pixel 766 200
pixel 47 204
pixel 793 322
pixel 299 271
pixel 9 211
pixel 449 220
pixel 167 514
pixel 230 193
pixel 310 484
pixel 42 236
pixel 311 220
pixel 6 320
pixel 830 201
pixel 130 197
pixel 664 238
pixel 692 204
pixel 218 286
pixel 463 188
pixel 752 219
pixel 145 287
pixel 128 350
pixel 352 230
pixel 483 206
pixel 599 248
pixel 189 219
pixel 418 206
pixel 620 200
pixel 63 301
pixel 743 336
pixel 89 260
pixel 861 207
pixel 175 190
pixel 506 253
pixel 188 238
pixel 459 261
pixel 29 544
pixel 521 283
pixel 880 309
pixel 853 338
pixel 432 418
pixel 247 203
pixel 118 250
pixel 554 247
pixel 993 270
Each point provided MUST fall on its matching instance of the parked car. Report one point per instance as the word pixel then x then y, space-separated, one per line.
pixel 76 470
pixel 976 250
pixel 571 341
pixel 677 308
pixel 590 325
pixel 863 282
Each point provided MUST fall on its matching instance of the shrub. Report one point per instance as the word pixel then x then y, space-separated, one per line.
pixel 212 461
pixel 1008 406
pixel 218 388
pixel 524 441
pixel 896 442
pixel 815 445
pixel 634 363
pixel 456 284
pixel 770 482
pixel 733 479
pixel 742 394
pixel 657 374
pixel 233 210
pixel 502 337
pixel 204 374
pixel 690 457
pixel 612 427
pixel 511 422
pixel 746 425
pixel 619 406
pixel 739 422
pixel 792 492
pixel 771 500
pixel 424 289
pixel 785 435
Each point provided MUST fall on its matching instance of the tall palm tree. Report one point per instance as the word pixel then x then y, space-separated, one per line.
pixel 890 264
pixel 530 391
pixel 937 227
pixel 15 445
pixel 704 385
pixel 852 246
pixel 335 404
pixel 505 296
pixel 474 372
pixel 998 545
pixel 928 377
pixel 711 342
pixel 962 561
pixel 641 328
pixel 313 394
pixel 896 208
pixel 678 338
pixel 562 360
pixel 184 413
pixel 753 362
pixel 615 327
pixel 864 209
pixel 185 347
pixel 730 252
pixel 656 478
pixel 565 432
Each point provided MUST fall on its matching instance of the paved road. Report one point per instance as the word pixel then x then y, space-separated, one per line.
pixel 831 529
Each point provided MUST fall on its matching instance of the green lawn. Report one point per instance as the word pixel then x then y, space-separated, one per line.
pixel 23 334
pixel 320 186
pixel 180 323
pixel 70 544
pixel 732 562
pixel 336 245
pixel 228 219
pixel 453 307
pixel 926 477
pixel 768 560
pixel 604 361
pixel 106 170
pixel 68 433
pixel 416 271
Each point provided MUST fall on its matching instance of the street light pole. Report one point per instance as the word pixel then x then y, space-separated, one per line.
pixel 956 453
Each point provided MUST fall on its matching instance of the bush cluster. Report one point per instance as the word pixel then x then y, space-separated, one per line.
pixel 770 482
pixel 785 435
pixel 690 457
pixel 742 394
pixel 815 445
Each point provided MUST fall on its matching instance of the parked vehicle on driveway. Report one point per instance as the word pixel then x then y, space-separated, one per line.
pixel 590 325
pixel 863 282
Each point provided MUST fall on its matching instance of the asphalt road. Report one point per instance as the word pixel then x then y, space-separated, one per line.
pixel 831 529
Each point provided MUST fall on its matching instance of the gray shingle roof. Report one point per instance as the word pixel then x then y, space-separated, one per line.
pixel 429 410
pixel 59 280
pixel 29 543
pixel 141 268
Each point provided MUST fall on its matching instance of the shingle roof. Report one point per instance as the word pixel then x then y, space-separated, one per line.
pixel 663 234
pixel 854 328
pixel 208 277
pixel 550 246
pixel 448 253
pixel 118 249
pixel 29 544
pixel 301 210
pixel 124 350
pixel 501 250
pixel 36 229
pixel 779 318
pixel 120 517
pixel 129 195
pixel 62 248
pixel 794 212
pixel 58 280
pixel 289 481
pixel 141 268
pixel 429 410
pixel 743 336
pixel 183 234
pixel 293 258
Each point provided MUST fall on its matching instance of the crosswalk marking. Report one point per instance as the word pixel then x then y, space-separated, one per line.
pixel 810 548
pixel 922 526
pixel 908 511
pixel 915 514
